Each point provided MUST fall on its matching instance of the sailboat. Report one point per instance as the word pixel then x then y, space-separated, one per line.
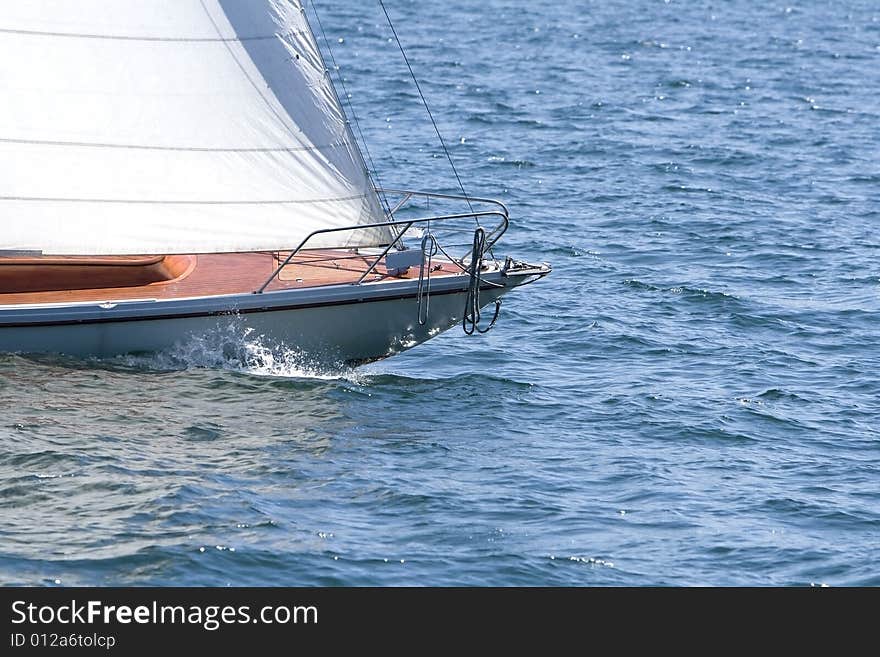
pixel 171 165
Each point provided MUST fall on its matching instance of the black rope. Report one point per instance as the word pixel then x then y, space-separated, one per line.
pixel 470 321
pixel 427 108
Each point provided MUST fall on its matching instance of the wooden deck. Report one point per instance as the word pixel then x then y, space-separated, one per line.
pixel 201 275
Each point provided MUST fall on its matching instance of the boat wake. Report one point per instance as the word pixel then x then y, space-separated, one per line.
pixel 240 349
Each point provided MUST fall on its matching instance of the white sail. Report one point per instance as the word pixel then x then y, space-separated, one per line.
pixel 172 126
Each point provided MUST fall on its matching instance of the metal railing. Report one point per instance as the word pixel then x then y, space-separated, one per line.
pixel 403 225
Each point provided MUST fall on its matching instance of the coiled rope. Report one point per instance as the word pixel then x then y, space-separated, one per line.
pixel 471 320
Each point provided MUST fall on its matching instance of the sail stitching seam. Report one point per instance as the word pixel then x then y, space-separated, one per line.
pixel 338 199
pixel 123 37
pixel 195 149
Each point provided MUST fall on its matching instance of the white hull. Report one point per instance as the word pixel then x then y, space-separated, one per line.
pixel 341 324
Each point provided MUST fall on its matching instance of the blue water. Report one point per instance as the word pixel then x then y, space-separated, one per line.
pixel 691 398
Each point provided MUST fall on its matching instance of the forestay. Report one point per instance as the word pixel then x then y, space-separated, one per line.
pixel 172 126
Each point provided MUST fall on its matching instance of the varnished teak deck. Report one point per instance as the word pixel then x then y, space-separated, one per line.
pixel 216 274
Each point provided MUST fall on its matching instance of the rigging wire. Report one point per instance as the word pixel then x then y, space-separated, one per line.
pixel 427 108
pixel 372 171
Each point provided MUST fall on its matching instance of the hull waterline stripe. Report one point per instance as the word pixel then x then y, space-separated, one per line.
pixel 230 312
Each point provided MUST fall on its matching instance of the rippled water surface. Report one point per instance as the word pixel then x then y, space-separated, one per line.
pixel 691 398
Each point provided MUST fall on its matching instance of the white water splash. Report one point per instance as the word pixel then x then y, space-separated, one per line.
pixel 239 348
pixel 414 232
